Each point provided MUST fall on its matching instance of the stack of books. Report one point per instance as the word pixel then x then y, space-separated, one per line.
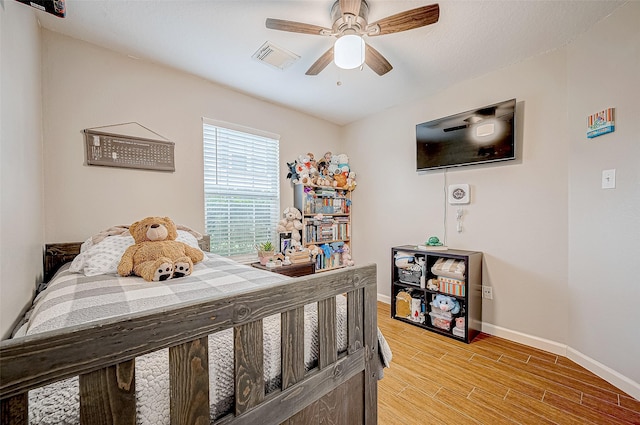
pixel 328 262
pixel 326 192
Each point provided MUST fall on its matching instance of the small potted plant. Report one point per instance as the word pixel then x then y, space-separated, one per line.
pixel 266 251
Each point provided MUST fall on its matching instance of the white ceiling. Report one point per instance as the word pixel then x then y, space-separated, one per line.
pixel 215 40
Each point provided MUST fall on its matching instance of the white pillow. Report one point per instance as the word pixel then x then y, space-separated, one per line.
pixel 104 257
pixel 188 238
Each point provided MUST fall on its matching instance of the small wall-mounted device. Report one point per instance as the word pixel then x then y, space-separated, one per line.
pixel 459 194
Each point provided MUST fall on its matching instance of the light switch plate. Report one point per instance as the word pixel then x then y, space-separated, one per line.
pixel 609 179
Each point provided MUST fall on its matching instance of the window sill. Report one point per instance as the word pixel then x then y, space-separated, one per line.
pixel 244 259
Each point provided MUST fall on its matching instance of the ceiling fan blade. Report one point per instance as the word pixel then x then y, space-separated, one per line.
pixel 407 20
pixel 376 61
pixel 291 26
pixel 350 6
pixel 321 63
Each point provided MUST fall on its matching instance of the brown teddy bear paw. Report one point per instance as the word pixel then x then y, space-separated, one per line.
pixel 182 268
pixel 163 272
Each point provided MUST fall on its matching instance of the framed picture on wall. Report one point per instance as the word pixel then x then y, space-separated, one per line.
pixel 600 123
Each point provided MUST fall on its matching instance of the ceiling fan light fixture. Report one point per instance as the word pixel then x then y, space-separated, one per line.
pixel 348 51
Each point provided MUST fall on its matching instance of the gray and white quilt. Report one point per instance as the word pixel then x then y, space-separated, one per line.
pixel 72 299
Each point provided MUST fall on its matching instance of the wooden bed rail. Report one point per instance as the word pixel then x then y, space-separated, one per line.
pixel 103 355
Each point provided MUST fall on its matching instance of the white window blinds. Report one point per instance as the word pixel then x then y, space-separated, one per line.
pixel 241 187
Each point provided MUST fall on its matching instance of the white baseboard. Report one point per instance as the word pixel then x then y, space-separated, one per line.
pixel 611 376
pixel 620 381
pixel 531 341
pixel 384 299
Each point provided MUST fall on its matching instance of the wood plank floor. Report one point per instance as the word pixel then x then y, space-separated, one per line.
pixel 437 380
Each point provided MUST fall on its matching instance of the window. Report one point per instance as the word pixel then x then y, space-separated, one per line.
pixel 241 187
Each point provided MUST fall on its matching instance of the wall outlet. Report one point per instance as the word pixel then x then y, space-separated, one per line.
pixel 487 292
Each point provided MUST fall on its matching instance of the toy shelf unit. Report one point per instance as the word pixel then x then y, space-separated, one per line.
pixel 326 223
pixel 440 291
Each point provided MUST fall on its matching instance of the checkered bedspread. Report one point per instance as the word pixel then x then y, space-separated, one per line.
pixel 72 299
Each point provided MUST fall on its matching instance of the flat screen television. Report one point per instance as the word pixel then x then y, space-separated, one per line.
pixel 478 136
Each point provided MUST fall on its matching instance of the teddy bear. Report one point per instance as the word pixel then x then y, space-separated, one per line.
pixel 340 180
pixel 305 178
pixel 446 303
pixel 351 180
pixel 459 330
pixel 333 165
pixel 343 163
pixel 291 223
pixel 346 256
pixel 314 250
pixel 156 255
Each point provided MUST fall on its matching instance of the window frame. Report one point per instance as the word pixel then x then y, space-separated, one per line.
pixel 269 184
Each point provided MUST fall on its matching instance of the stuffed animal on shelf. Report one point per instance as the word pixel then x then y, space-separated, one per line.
pixel 314 250
pixel 306 169
pixel 343 163
pixel 460 323
pixel 324 162
pixel 446 303
pixel 346 256
pixel 291 223
pixel 432 284
pixel 312 160
pixel 324 180
pixel 293 172
pixel 333 165
pixel 351 180
pixel 156 255
pixel 340 180
pixel 458 330
pixel 295 246
pixel 403 304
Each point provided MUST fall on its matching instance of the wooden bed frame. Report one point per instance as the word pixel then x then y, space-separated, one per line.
pixel 342 389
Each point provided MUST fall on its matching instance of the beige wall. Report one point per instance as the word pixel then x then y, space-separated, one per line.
pixel 22 216
pixel 518 210
pixel 604 225
pixel 87 86
pixel 559 251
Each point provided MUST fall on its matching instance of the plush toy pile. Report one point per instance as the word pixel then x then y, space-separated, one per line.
pixel 331 170
pixel 156 255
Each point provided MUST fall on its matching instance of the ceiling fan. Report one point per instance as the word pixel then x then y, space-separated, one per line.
pixel 350 18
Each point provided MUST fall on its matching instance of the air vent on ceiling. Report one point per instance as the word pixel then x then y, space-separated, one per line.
pixel 275 56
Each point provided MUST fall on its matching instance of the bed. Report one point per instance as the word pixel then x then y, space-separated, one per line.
pixel 321 366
